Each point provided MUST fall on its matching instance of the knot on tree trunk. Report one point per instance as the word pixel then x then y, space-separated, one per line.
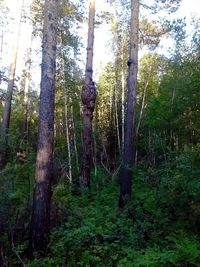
pixel 89 94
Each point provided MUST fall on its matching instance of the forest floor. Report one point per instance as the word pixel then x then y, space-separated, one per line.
pixel 158 228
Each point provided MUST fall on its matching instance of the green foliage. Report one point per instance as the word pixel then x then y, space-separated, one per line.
pixel 183 251
pixel 16 186
pixel 158 230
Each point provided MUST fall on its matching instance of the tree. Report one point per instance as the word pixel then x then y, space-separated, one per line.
pixel 128 153
pixel 8 99
pixel 40 221
pixel 88 100
pixel 25 92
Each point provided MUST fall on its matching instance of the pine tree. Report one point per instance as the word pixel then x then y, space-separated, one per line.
pixel 128 153
pixel 40 221
pixel 88 100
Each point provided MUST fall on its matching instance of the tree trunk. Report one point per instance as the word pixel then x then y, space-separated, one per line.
pixel 116 118
pixel 75 139
pixel 88 100
pixel 1 55
pixel 123 99
pixel 8 100
pixel 129 138
pixel 142 108
pixel 140 119
pixel 68 141
pixel 25 99
pixel 40 222
pixel 72 114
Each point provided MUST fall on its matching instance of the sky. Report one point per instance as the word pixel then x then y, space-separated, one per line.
pixel 188 9
pixel 24 41
pixel 102 50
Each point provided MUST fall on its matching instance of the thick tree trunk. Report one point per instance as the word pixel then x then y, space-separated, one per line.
pixel 129 138
pixel 88 100
pixel 40 222
pixel 8 100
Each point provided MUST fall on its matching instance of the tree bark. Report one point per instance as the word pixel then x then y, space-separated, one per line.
pixel 88 100
pixel 40 222
pixel 129 138
pixel 8 100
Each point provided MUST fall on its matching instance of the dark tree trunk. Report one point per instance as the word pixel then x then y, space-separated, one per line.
pixel 8 100
pixel 40 222
pixel 88 100
pixel 129 138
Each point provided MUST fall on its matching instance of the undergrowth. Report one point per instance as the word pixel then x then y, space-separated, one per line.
pixel 160 227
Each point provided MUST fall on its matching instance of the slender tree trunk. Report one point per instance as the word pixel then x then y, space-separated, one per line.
pixel 151 154
pixel 88 100
pixel 25 100
pixel 8 100
pixel 40 223
pixel 173 96
pixel 75 140
pixel 95 155
pixel 140 119
pixel 25 113
pixel 3 261
pixel 28 64
pixel 129 138
pixel 1 55
pixel 67 124
pixel 116 118
pixel 95 138
pixel 68 141
pixel 72 114
pixel 142 108
pixel 111 106
pixel 123 98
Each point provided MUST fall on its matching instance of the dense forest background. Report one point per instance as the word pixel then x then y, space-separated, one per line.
pixel 97 215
